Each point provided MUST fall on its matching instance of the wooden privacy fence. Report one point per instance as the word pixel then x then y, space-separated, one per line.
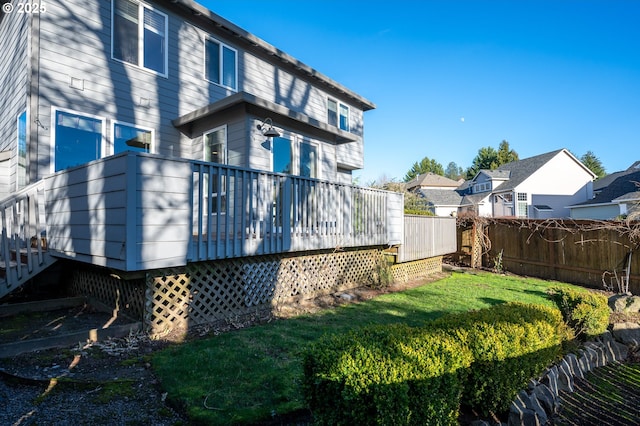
pixel 597 254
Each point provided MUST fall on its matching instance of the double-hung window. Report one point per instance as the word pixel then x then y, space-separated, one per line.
pixel 220 63
pixel 139 35
pixel 338 114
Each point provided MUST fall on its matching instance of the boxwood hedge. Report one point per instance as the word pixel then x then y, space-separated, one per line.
pixel 401 375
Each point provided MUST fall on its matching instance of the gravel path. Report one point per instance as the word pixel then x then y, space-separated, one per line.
pixel 100 384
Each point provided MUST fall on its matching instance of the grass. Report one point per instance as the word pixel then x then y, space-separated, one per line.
pixel 252 375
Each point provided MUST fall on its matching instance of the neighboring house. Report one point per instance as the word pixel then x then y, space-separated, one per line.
pixel 538 187
pixel 431 181
pixel 439 191
pixel 139 135
pixel 618 197
pixel 442 202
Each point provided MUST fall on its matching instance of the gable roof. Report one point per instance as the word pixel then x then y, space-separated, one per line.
pixel 605 181
pixel 623 188
pixel 441 197
pixel 521 170
pixel 198 12
pixel 431 179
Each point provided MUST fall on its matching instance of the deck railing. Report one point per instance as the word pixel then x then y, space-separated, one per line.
pixel 240 212
pixel 137 211
pixel 23 240
pixel 427 236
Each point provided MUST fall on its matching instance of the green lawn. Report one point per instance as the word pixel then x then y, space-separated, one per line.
pixel 249 375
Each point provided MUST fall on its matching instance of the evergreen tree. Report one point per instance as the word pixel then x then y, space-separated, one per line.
pixel 453 171
pixel 505 154
pixel 593 163
pixel 490 159
pixel 426 165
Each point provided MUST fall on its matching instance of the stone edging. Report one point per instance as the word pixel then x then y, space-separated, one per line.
pixel 541 401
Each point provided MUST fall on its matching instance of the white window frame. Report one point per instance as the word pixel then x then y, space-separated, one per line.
pixel 140 64
pixel 292 146
pixel 223 192
pixel 339 106
pixel 522 199
pixel 298 156
pixel 226 142
pixel 52 148
pixel 112 141
pixel 207 37
pixel 26 117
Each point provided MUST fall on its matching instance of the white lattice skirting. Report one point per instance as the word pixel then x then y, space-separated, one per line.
pixel 206 292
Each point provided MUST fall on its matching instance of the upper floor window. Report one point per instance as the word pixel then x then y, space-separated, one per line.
pixel 139 35
pixel 338 114
pixel 220 63
pixel 127 137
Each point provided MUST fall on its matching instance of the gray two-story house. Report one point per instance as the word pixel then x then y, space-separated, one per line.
pixel 86 80
pixel 201 170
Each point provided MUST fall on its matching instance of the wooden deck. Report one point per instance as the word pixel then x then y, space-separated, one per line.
pixel 136 211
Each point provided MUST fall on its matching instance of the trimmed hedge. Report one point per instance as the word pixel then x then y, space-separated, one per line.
pixel 584 311
pixel 511 343
pixel 401 375
pixel 386 375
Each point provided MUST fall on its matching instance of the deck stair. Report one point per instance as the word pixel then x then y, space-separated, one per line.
pixel 23 244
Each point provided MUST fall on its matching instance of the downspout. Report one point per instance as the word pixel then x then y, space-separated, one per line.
pixel 33 99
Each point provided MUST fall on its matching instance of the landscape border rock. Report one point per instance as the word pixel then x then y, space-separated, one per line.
pixel 541 401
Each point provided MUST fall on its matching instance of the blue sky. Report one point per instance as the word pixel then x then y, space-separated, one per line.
pixel 449 77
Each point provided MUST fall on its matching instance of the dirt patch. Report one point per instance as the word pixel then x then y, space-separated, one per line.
pixel 37 325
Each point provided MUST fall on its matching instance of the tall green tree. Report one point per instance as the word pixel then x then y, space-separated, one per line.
pixel 486 159
pixel 453 171
pixel 489 158
pixel 426 165
pixel 593 163
pixel 506 154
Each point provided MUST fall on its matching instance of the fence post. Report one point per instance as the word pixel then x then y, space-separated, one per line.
pixel 476 245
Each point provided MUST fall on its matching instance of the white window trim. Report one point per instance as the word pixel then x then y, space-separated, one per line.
pixel 140 64
pixel 226 142
pixel 299 142
pixel 338 105
pixel 17 157
pixel 292 141
pixel 111 143
pixel 52 142
pixel 204 62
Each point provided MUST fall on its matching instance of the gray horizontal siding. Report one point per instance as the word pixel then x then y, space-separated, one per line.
pixel 76 42
pixel 14 69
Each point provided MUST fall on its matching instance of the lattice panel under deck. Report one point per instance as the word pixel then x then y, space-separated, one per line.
pixel 208 291
pixel 409 271
pixel 127 296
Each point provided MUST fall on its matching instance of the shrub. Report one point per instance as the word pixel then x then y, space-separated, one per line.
pixel 510 344
pixel 584 311
pixel 385 375
pixel 402 375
